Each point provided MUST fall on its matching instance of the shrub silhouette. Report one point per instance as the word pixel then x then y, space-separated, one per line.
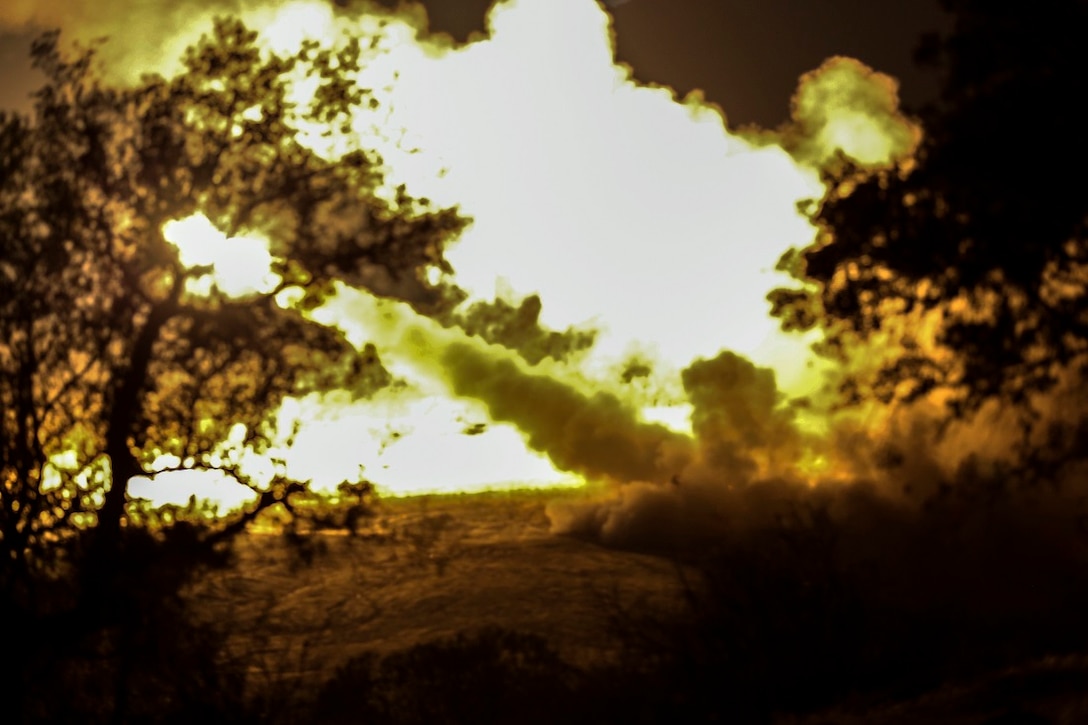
pixel 137 657
pixel 491 676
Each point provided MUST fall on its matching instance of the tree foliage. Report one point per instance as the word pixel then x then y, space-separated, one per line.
pixel 108 358
pixel 980 243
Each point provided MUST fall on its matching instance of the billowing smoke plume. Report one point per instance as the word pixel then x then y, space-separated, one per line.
pixel 846 107
pixel 594 434
pixel 659 485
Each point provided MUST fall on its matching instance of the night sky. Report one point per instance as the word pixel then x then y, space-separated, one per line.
pixel 745 55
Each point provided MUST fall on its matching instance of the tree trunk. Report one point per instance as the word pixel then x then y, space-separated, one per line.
pixel 124 412
pixel 122 416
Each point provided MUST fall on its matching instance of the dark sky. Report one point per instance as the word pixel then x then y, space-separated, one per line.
pixel 15 81
pixel 746 54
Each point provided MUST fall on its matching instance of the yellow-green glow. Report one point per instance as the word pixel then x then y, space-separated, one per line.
pixel 623 207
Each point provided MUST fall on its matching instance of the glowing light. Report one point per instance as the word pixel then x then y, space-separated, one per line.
pixel 426 444
pixel 625 208
pixel 286 27
pixel 621 206
pixel 674 417
pixel 177 487
pixel 239 266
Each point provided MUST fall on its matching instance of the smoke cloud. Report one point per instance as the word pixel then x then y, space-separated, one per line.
pixel 656 488
pixel 845 106
pixel 594 434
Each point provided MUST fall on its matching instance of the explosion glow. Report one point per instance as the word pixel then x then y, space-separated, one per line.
pixel 626 210
pixel 240 266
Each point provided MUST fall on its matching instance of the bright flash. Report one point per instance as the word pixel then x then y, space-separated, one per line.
pixel 240 266
pixel 286 27
pixel 621 206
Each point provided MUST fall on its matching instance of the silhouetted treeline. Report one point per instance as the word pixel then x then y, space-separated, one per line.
pixel 113 365
pixel 982 238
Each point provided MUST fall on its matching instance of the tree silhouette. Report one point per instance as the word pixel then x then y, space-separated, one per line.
pixel 982 238
pixel 109 359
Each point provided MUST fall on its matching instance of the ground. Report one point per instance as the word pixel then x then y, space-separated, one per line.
pixel 428 567
pixel 431 567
